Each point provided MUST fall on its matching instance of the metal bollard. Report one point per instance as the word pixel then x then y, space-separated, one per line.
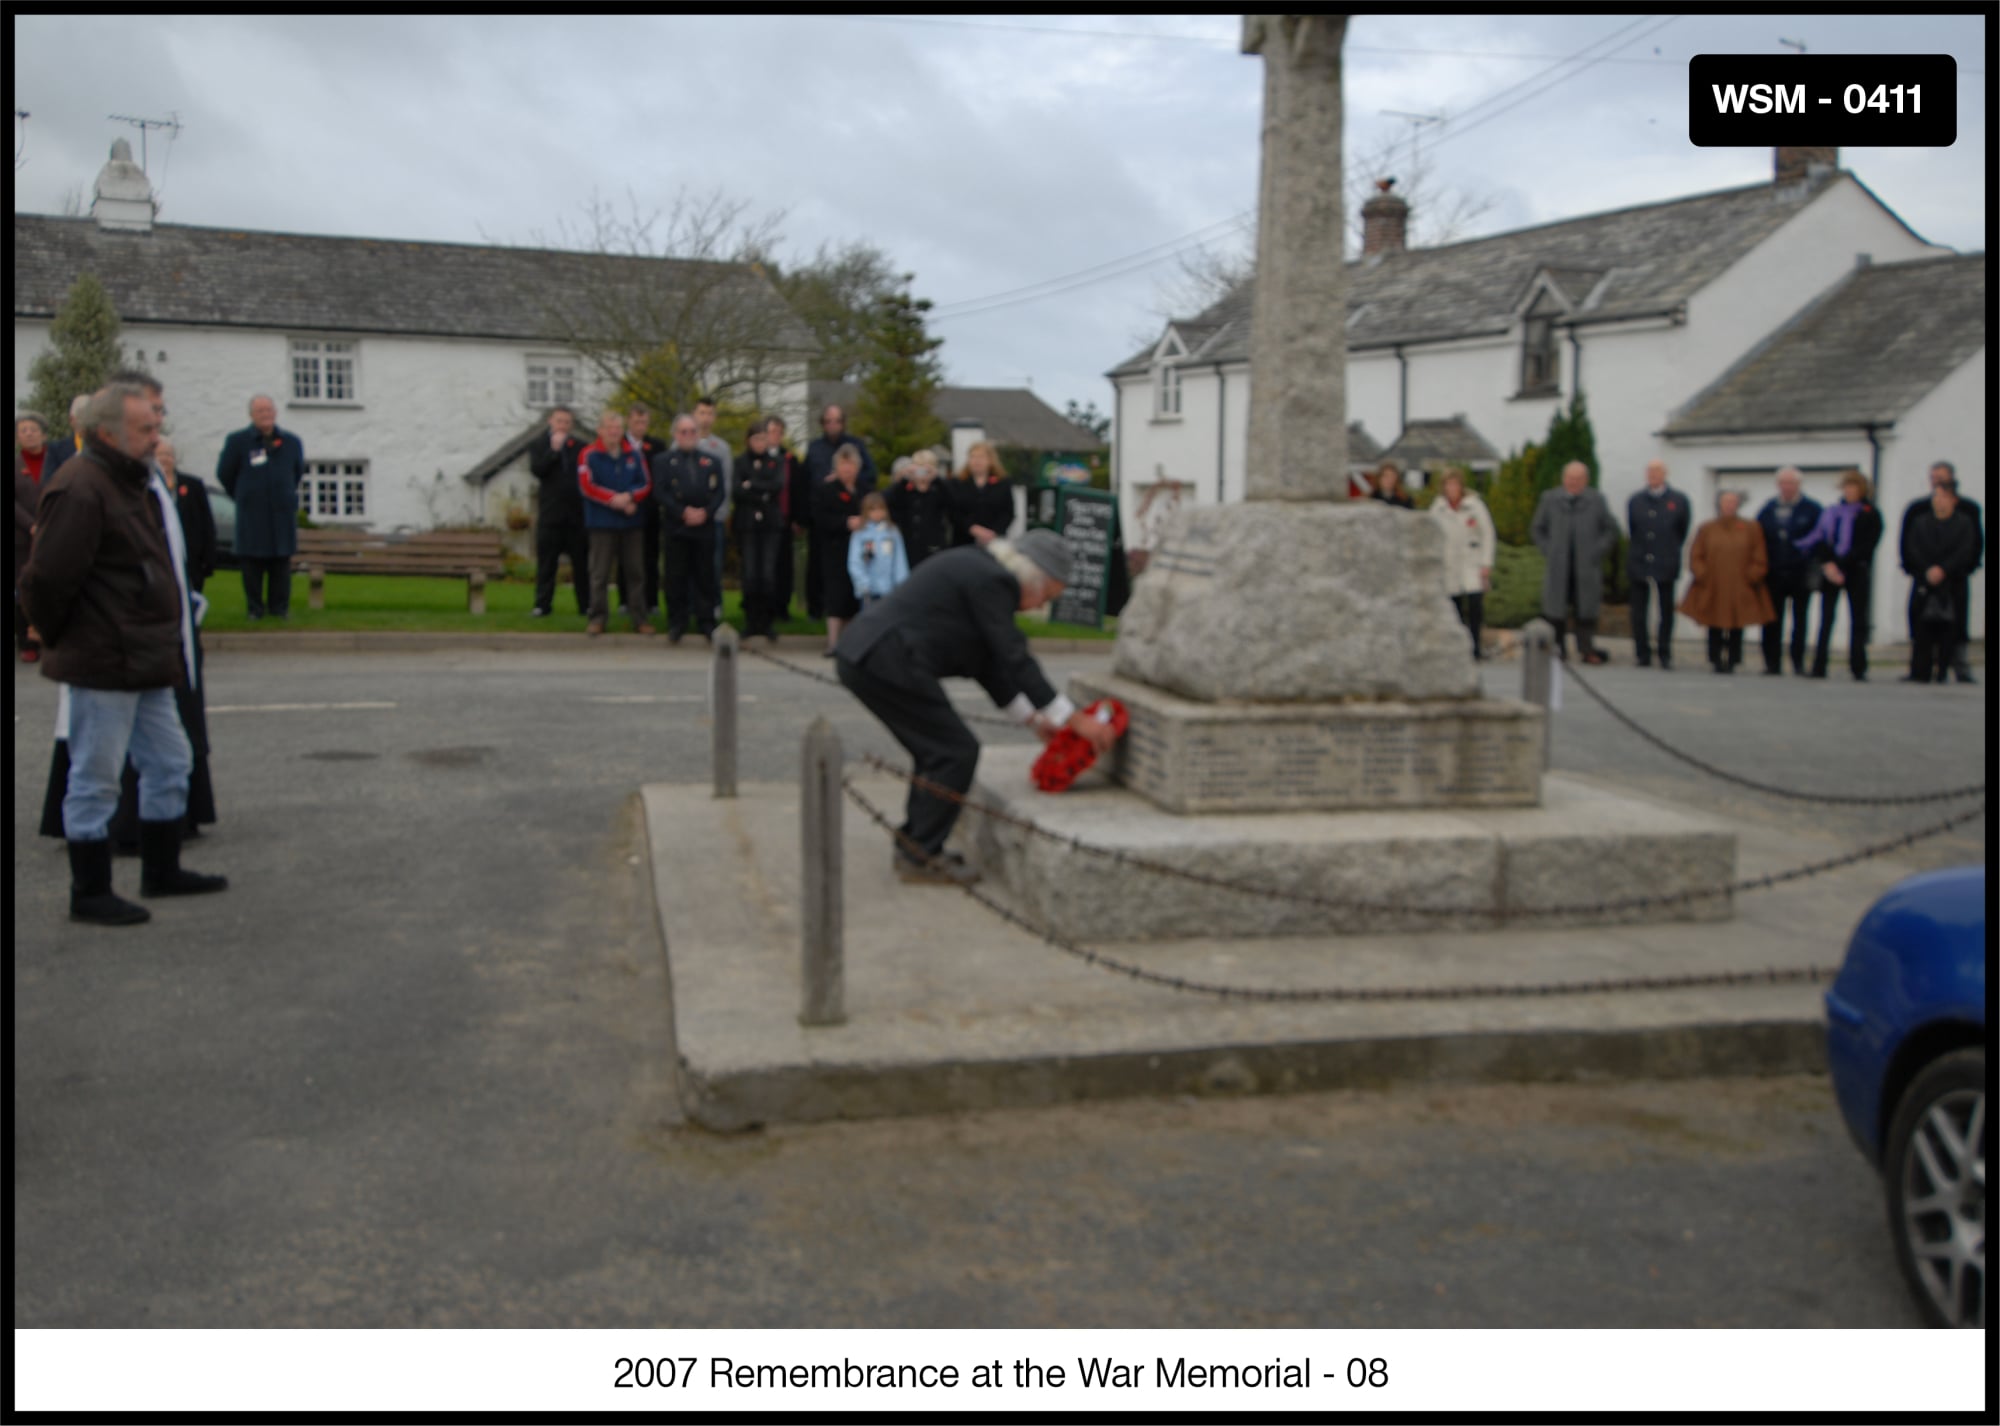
pixel 722 710
pixel 822 975
pixel 1538 675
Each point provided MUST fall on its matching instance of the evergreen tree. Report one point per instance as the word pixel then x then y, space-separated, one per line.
pixel 1511 499
pixel 893 411
pixel 83 352
pixel 1570 438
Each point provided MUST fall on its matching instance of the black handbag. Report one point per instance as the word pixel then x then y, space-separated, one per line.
pixel 1938 607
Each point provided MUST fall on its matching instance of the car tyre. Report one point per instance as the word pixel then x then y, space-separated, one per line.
pixel 1935 1172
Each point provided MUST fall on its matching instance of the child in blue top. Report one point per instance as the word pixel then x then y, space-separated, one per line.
pixel 876 560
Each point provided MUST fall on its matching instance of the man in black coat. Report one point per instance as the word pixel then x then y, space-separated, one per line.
pixel 1657 517
pixel 954 618
pixel 1944 473
pixel 689 488
pixel 1787 518
pixel 818 470
pixel 761 537
pixel 1940 550
pixel 260 468
pixel 559 527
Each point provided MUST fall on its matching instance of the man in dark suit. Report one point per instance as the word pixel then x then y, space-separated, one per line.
pixel 1943 473
pixel 260 468
pixel 954 618
pixel 559 527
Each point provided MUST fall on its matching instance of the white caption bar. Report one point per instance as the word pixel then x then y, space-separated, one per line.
pixel 1899 1373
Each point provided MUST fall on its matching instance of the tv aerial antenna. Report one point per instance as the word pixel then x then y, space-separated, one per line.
pixel 173 122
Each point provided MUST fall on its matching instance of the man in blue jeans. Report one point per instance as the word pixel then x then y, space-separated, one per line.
pixel 103 589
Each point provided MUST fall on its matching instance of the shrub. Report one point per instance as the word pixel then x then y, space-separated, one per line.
pixel 1511 496
pixel 1516 594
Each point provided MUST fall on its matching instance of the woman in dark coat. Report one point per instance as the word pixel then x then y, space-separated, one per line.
pixel 836 514
pixel 1729 562
pixel 1843 545
pixel 190 699
pixel 761 536
pixel 1940 551
pixel 982 502
pixel 1388 483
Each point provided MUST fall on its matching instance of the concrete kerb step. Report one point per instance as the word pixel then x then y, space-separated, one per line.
pixel 950 1008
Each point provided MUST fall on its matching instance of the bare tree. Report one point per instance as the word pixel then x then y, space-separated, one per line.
pixel 1439 213
pixel 674 303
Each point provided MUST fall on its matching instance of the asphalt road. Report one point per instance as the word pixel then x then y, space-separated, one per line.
pixel 414 1067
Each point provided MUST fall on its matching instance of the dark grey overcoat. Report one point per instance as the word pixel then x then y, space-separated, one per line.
pixel 1596 536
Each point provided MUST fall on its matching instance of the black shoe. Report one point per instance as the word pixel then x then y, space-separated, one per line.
pixel 1643 661
pixel 1912 678
pixel 1665 664
pixel 161 873
pixel 674 636
pixel 1860 678
pixel 91 899
pixel 773 640
pixel 1774 673
pixel 943 869
pixel 826 653
pixel 1964 675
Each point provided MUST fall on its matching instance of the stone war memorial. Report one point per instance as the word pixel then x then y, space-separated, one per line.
pixel 1305 709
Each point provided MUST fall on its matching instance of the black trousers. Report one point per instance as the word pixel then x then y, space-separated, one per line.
pixel 913 707
pixel 1787 591
pixel 1643 591
pixel 690 581
pixel 815 578
pixel 787 574
pixel 552 542
pixel 761 548
pixel 649 581
pixel 1586 629
pixel 1856 589
pixel 267 586
pixel 1725 647
pixel 1472 613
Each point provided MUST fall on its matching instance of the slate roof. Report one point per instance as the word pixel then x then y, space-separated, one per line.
pixel 234 277
pixel 1361 447
pixel 1865 351
pixel 1012 415
pixel 1625 263
pixel 1440 442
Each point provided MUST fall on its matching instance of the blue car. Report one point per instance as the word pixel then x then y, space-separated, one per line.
pixel 1906 1045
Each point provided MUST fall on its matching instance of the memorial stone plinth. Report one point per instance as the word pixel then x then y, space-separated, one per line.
pixel 1284 602
pixel 1189 757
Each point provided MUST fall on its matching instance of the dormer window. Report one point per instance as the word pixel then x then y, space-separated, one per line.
pixel 1167 392
pixel 1538 357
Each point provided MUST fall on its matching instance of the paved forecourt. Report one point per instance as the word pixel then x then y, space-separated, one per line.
pixel 951 1007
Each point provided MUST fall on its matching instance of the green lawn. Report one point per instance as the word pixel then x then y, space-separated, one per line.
pixel 356 602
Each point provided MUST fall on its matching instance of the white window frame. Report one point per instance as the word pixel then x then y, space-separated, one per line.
pixel 330 362
pixel 1166 392
pixel 335 492
pixel 553 391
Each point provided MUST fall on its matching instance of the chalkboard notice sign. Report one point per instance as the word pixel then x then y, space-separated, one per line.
pixel 1088 520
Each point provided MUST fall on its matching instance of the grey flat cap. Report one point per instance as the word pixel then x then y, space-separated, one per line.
pixel 1049 551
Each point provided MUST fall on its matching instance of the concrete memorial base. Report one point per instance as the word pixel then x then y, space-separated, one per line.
pixel 1583 844
pixel 1189 757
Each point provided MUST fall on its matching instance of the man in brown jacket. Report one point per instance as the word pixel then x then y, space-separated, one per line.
pixel 100 586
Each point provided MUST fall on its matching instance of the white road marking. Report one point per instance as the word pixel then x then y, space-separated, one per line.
pixel 289 707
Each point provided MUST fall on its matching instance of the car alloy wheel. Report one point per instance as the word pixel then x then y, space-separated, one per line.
pixel 1936 1170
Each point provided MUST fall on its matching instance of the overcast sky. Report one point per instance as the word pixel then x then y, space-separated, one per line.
pixel 985 154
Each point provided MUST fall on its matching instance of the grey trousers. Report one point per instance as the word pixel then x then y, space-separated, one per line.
pixel 624 551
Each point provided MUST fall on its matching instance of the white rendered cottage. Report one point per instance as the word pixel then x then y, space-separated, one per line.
pixel 1644 308
pixel 416 373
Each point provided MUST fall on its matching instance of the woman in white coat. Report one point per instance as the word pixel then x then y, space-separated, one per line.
pixel 1468 551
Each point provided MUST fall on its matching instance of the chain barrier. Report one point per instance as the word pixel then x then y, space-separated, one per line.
pixel 1776 975
pixel 990 719
pixel 1356 994
pixel 1503 913
pixel 1570 671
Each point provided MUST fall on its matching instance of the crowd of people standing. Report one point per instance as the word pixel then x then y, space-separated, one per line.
pixel 1762 573
pixel 658 518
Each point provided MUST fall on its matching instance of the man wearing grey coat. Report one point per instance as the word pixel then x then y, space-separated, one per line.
pixel 1574 530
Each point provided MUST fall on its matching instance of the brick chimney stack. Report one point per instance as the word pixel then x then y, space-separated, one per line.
pixel 1385 220
pixel 1797 164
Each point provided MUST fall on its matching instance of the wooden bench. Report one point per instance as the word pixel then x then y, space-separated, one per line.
pixel 471 555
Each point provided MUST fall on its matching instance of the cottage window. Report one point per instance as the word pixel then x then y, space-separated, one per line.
pixel 1167 391
pixel 324 371
pixel 1538 356
pixel 551 382
pixel 335 490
